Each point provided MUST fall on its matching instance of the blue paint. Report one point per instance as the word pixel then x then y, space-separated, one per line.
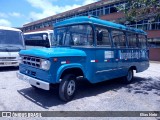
pixel 53 52
pixel 92 20
pixel 96 63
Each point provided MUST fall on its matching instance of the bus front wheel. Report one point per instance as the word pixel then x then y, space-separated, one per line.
pixel 129 77
pixel 67 87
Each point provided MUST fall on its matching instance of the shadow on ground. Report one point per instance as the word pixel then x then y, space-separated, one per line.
pixel 145 86
pixel 7 69
pixel 50 98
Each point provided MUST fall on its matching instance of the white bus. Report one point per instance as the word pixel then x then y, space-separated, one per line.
pixel 11 42
pixel 38 39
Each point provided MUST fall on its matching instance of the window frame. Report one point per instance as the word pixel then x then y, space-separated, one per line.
pixel 109 35
pixel 125 38
pixel 139 43
pixel 93 35
pixel 137 40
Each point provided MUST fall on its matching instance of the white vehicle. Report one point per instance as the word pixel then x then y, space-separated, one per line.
pixel 11 42
pixel 38 39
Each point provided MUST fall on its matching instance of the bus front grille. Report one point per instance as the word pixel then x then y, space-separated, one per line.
pixel 7 58
pixel 31 61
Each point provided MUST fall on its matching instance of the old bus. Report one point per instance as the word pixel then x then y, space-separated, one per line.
pixel 11 42
pixel 93 48
pixel 38 39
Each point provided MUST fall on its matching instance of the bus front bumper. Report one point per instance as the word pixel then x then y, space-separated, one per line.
pixel 33 81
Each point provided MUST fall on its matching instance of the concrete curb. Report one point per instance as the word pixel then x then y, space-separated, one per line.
pixel 154 62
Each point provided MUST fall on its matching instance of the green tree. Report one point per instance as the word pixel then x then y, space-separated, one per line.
pixel 137 10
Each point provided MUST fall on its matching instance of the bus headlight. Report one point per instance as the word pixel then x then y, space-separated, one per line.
pixel 45 64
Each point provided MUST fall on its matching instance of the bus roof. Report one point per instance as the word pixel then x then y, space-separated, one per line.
pixel 93 20
pixel 44 31
pixel 9 28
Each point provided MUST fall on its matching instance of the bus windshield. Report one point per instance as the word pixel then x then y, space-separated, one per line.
pixel 75 35
pixel 38 36
pixel 36 39
pixel 11 39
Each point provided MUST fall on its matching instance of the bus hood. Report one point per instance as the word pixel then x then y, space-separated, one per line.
pixel 52 52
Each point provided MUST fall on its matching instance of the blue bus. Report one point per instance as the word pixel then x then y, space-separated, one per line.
pixel 86 46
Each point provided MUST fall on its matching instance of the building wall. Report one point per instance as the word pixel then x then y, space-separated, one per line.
pixel 101 8
pixel 153 34
pixel 41 29
pixel 112 16
pixel 154 54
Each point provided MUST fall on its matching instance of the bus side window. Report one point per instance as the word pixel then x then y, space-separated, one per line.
pixel 119 39
pixel 132 40
pixel 67 39
pixel 142 41
pixel 81 35
pixel 103 38
pixel 60 38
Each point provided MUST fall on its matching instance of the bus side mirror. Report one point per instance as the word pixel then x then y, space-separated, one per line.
pixel 99 35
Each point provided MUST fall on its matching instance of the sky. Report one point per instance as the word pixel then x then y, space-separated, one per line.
pixel 16 13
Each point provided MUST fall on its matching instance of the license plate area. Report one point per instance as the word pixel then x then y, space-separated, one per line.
pixel 22 77
pixel 7 63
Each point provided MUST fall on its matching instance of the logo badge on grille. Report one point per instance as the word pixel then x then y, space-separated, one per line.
pixel 26 71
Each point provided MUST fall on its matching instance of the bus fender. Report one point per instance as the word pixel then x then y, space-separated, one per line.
pixel 65 67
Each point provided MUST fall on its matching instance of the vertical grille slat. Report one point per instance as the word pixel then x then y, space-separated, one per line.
pixel 32 61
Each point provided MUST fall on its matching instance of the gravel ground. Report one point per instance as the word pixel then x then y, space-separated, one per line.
pixel 143 94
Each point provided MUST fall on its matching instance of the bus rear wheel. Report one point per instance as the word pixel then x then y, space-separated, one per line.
pixel 129 77
pixel 67 87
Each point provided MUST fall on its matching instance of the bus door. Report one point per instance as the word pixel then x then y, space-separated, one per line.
pixel 106 66
pixel 121 52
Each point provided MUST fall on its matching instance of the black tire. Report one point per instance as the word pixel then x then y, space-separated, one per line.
pixel 129 77
pixel 67 87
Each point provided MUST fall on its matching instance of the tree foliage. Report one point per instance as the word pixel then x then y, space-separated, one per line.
pixel 136 10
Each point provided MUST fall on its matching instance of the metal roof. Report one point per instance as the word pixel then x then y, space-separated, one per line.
pixel 44 31
pixel 93 20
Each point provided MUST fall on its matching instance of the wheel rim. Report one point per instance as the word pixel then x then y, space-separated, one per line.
pixel 129 76
pixel 71 87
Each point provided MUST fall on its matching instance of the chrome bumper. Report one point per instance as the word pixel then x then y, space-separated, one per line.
pixel 33 81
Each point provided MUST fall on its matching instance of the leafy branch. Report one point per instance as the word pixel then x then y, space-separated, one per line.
pixel 137 10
